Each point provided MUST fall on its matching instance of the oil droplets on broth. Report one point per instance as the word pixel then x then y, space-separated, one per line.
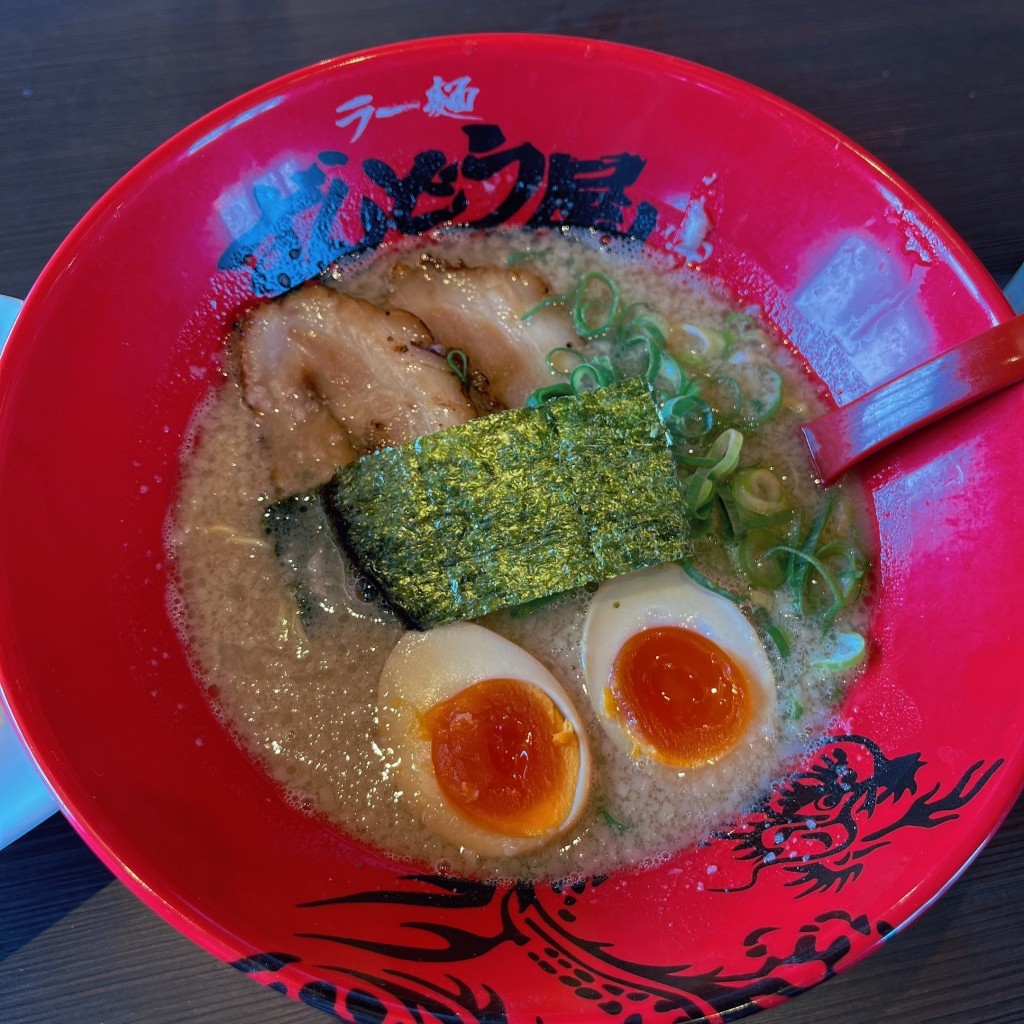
pixel 338 708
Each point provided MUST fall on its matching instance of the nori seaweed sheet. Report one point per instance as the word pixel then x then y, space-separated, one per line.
pixel 514 506
pixel 303 539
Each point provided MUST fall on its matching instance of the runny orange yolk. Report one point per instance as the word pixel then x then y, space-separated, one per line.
pixel 680 695
pixel 505 757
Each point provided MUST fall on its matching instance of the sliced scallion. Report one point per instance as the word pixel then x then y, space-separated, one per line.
pixel 705 342
pixel 829 614
pixel 687 417
pixel 725 396
pixel 669 377
pixel 459 362
pixel 763 395
pixel 759 491
pixel 848 564
pixel 733 525
pixel 726 451
pixel 596 304
pixel 799 567
pixel 705 412
pixel 759 559
pixel 849 650
pixel 515 258
pixel 563 360
pixel 698 577
pixel 777 636
pixel 588 377
pixel 638 320
pixel 548 300
pixel 542 395
pixel 699 491
pixel 612 822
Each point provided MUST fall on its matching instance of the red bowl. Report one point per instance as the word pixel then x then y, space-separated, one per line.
pixel 120 339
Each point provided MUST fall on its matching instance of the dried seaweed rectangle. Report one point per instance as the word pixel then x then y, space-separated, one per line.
pixel 514 506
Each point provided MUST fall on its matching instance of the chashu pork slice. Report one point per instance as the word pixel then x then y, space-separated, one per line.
pixel 332 378
pixel 480 311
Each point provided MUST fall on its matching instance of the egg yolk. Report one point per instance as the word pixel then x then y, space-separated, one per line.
pixel 680 694
pixel 505 757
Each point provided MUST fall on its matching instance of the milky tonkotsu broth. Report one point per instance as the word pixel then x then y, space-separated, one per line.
pixel 304 704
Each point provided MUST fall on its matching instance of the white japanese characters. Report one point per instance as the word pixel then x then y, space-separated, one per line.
pixel 442 99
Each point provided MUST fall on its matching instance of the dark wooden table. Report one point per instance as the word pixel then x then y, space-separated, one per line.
pixel 935 88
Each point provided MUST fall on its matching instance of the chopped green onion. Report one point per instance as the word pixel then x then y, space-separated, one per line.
pixel 548 300
pixel 850 566
pixel 764 397
pixel 759 491
pixel 587 323
pixel 725 396
pixel 706 342
pixel 692 459
pixel 838 601
pixel 459 362
pixel 799 568
pixel 542 395
pixel 588 377
pixel 726 449
pixel 698 577
pixel 613 823
pixel 762 568
pixel 632 360
pixel 636 357
pixel 562 360
pixel 638 321
pixel 704 414
pixel 784 518
pixel 734 525
pixel 699 490
pixel 849 651
pixel 528 607
pixel 763 620
pixel 669 377
pixel 687 417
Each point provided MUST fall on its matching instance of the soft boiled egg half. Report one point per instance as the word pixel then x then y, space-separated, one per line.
pixel 676 673
pixel 488 747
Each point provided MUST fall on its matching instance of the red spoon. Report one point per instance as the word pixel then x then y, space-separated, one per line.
pixel 980 366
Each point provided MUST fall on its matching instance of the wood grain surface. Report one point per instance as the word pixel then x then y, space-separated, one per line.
pixel 934 88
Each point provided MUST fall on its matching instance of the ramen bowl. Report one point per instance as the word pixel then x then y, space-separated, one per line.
pixel 122 339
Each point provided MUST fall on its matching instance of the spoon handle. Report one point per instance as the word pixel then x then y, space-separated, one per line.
pixel 980 366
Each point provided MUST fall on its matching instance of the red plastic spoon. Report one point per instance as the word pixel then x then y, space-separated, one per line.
pixel 971 370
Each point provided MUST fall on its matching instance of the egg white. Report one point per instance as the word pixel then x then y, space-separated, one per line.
pixel 425 669
pixel 667 596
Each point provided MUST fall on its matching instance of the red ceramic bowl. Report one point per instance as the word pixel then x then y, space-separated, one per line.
pixel 120 340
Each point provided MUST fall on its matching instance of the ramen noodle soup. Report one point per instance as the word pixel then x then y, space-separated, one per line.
pixel 360 718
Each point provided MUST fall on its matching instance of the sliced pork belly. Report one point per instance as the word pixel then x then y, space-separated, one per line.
pixel 333 377
pixel 479 310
